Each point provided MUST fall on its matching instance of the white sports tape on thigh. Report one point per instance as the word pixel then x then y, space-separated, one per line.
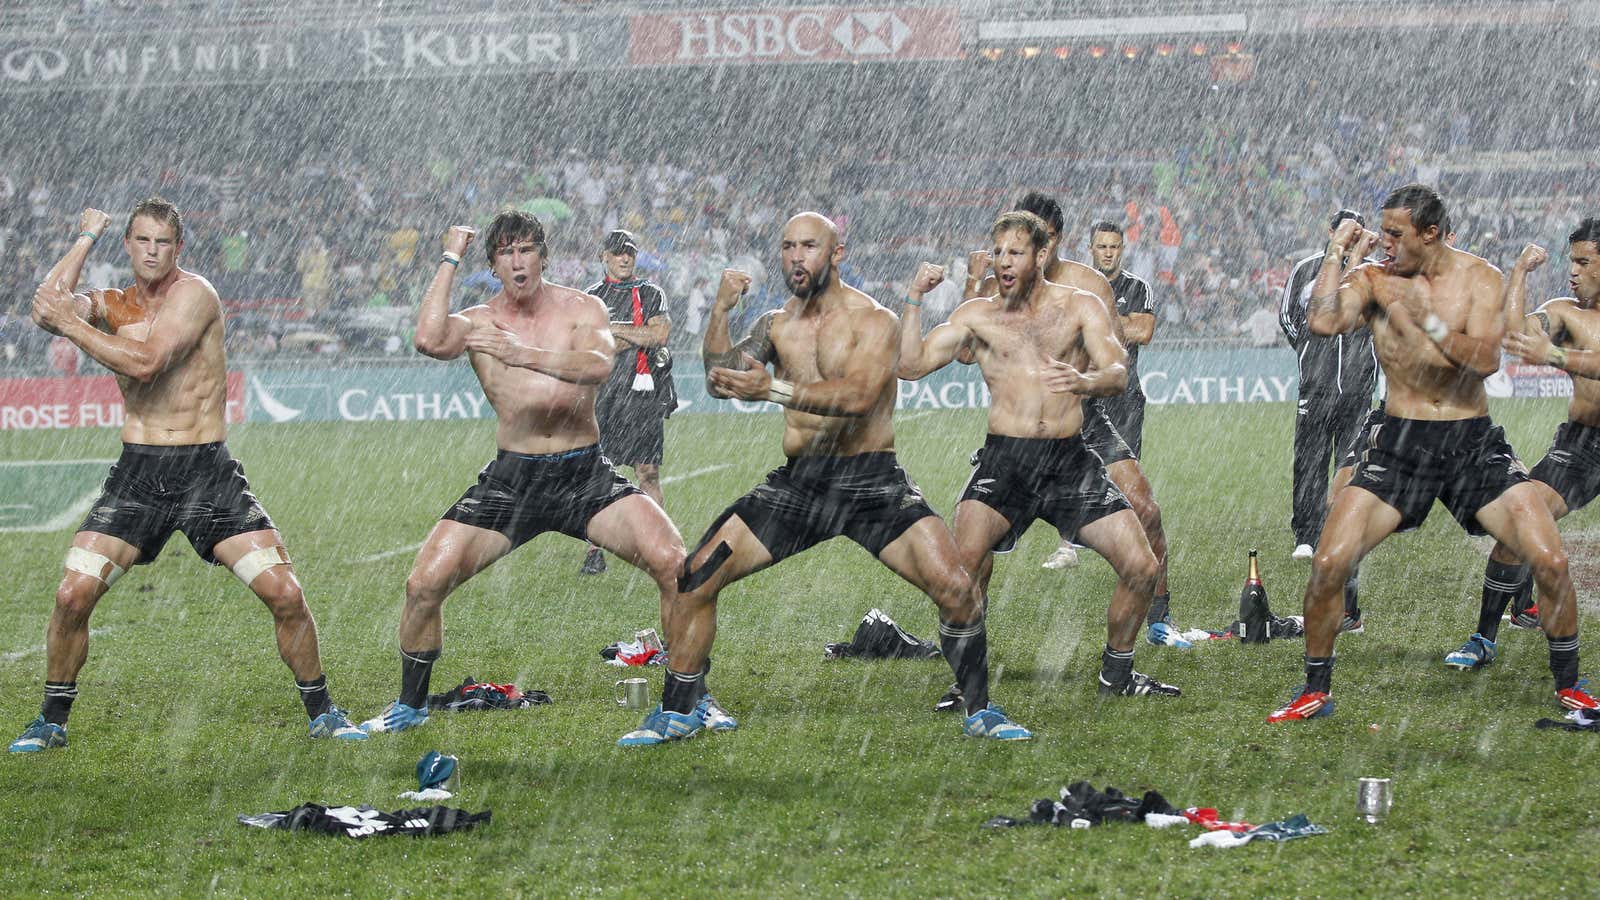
pixel 92 564
pixel 257 561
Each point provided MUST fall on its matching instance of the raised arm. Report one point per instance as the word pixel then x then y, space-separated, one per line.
pixel 978 262
pixel 190 307
pixel 1516 300
pixel 869 367
pixel 440 333
pixel 1340 294
pixel 920 355
pixel 1107 375
pixel 1537 342
pixel 717 349
pixel 92 225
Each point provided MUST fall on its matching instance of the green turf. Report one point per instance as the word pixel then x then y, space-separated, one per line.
pixel 840 780
pixel 45 494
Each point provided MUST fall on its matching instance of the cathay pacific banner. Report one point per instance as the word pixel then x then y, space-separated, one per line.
pixel 449 390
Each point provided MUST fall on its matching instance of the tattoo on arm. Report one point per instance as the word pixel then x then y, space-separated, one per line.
pixel 1324 305
pixel 758 343
pixel 1544 322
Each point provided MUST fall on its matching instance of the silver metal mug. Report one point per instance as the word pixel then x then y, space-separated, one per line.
pixel 633 693
pixel 1374 796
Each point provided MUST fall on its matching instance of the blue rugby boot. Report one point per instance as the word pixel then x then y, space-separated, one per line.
pixel 395 717
pixel 992 722
pixel 715 717
pixel 336 724
pixel 40 735
pixel 663 725
pixel 1476 653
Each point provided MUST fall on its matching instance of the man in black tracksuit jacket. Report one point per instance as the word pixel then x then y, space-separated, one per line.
pixel 1337 377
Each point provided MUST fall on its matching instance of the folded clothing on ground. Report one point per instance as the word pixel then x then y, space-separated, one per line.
pixel 878 637
pixel 473 694
pixel 365 821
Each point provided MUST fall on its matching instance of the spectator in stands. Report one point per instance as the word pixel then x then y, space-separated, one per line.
pixel 315 266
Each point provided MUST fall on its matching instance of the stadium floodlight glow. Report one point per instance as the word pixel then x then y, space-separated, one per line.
pixel 992 54
pixel 1097 51
pixel 1164 49
pixel 1130 52
pixel 1235 46
pixel 1199 49
pixel 1063 52
pixel 1031 52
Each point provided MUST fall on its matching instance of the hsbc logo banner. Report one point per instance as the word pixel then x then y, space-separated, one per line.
pixel 834 34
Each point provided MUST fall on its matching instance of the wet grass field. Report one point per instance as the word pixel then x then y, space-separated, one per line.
pixel 840 781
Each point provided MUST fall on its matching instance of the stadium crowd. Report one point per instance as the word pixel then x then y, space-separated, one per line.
pixel 316 250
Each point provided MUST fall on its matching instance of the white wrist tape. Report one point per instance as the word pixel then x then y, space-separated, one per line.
pixel 257 561
pixel 88 562
pixel 1435 328
pixel 781 392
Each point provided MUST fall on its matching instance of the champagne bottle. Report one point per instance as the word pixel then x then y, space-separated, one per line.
pixel 1255 619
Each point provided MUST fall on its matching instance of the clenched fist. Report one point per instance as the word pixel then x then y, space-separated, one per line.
pixel 1532 257
pixel 928 277
pixel 733 286
pixel 459 238
pixel 94 221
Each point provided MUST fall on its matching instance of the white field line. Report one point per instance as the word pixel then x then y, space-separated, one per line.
pixel 916 415
pixel 15 655
pixel 388 553
pixel 54 462
pixel 668 480
pixel 62 520
pixel 67 517
pixel 672 479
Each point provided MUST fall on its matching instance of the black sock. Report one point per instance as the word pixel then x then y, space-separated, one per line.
pixel 1319 674
pixel 966 649
pixel 1564 661
pixel 1501 583
pixel 314 694
pixel 58 697
pixel 415 668
pixel 1160 608
pixel 1523 598
pixel 1352 600
pixel 1116 666
pixel 680 693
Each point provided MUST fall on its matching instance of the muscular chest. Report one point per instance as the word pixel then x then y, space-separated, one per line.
pixel 1022 339
pixel 1577 328
pixel 1448 298
pixel 814 349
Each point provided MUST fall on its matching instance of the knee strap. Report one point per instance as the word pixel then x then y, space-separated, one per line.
pixel 257 561
pixel 692 579
pixel 88 562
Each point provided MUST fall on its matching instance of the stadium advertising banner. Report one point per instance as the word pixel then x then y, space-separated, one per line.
pixel 27 404
pixel 254 56
pixel 801 35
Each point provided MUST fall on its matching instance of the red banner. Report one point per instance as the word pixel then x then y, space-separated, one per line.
pixel 27 404
pixel 719 37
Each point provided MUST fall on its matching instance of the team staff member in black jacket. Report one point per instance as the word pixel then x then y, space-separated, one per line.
pixel 635 401
pixel 1136 306
pixel 1337 376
